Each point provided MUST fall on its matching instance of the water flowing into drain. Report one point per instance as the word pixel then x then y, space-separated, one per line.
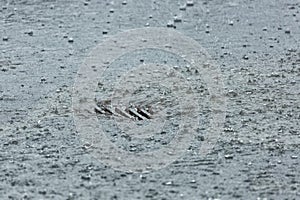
pixel 132 112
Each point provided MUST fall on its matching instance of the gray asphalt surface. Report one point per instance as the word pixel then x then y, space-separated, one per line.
pixel 256 45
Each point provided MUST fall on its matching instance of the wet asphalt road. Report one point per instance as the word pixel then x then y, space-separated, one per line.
pixel 255 44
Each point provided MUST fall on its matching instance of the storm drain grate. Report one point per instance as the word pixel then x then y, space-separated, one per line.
pixel 131 112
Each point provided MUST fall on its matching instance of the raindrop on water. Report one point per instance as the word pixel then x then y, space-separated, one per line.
pixel 182 7
pixel 177 19
pixel 190 3
pixel 70 40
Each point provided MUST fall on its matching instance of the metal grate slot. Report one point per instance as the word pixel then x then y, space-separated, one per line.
pixel 132 112
pixel 144 113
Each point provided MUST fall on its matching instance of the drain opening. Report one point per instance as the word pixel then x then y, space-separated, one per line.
pixel 131 112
